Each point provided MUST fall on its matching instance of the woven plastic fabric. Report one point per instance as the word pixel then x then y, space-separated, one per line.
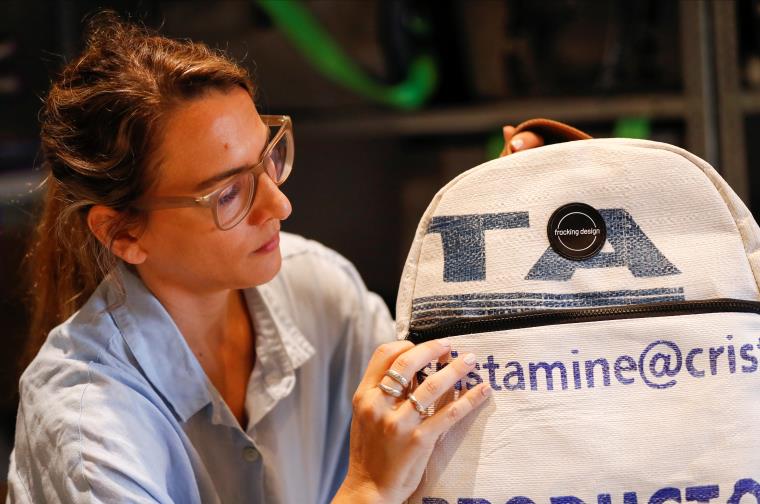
pixel 611 411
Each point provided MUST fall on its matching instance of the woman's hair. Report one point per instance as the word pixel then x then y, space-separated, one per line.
pixel 100 124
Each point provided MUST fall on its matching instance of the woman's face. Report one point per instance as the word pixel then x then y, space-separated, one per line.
pixel 204 138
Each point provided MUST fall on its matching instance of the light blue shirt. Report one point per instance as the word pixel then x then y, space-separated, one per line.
pixel 116 408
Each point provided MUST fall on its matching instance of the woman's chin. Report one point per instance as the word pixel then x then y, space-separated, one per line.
pixel 264 269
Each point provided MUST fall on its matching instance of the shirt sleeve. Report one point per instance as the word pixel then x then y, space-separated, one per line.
pixel 350 322
pixel 370 327
pixel 98 440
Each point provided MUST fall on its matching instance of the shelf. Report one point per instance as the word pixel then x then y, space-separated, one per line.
pixel 489 117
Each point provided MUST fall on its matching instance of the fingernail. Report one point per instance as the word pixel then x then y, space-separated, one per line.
pixel 444 342
pixel 517 143
pixel 469 359
pixel 486 391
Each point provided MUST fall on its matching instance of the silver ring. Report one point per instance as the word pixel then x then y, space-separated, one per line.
pixel 417 405
pixel 389 390
pixel 398 377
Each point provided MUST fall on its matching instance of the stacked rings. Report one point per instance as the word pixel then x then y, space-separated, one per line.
pixel 390 390
pixel 394 392
pixel 398 378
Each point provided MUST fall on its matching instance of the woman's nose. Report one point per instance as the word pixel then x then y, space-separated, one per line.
pixel 269 202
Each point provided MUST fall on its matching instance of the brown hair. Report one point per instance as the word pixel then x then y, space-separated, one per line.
pixel 99 126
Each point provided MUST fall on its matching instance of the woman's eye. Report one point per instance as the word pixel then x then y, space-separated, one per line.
pixel 229 194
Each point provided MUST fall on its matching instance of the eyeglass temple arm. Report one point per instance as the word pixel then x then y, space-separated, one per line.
pixel 276 120
pixel 174 202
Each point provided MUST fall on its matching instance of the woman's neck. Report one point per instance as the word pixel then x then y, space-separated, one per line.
pixel 203 317
pixel 218 329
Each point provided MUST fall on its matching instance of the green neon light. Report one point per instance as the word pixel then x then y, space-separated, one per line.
pixel 318 47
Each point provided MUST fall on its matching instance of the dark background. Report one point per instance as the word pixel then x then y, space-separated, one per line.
pixel 683 72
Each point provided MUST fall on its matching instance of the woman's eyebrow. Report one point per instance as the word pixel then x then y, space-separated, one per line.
pixel 211 181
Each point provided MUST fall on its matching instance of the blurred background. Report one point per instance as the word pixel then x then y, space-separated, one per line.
pixel 392 98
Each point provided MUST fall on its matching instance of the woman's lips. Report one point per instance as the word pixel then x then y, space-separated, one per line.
pixel 269 246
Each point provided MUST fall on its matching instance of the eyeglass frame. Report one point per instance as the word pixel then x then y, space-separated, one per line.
pixel 211 199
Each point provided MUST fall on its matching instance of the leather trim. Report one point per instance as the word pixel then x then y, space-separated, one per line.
pixel 551 131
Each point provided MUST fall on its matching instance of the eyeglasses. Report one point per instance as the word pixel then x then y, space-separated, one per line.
pixel 232 202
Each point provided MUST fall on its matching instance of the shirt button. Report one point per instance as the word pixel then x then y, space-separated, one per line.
pixel 250 454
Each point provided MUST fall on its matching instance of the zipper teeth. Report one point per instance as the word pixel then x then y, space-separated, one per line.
pixel 487 324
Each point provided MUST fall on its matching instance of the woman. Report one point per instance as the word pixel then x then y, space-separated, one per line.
pixel 195 353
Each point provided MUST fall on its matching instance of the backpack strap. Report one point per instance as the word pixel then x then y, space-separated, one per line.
pixel 551 131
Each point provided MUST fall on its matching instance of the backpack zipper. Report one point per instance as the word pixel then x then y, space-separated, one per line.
pixel 420 333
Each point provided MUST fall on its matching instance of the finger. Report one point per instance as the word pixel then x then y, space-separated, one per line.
pixel 453 412
pixel 508 132
pixel 411 361
pixel 380 361
pixel 437 385
pixel 525 140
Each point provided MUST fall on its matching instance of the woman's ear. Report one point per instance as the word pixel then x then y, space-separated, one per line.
pixel 125 244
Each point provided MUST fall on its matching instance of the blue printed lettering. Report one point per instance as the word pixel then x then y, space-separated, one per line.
pixel 491 366
pixel 590 365
pixel 533 368
pixel 731 358
pixel 745 487
pixel 517 372
pixel 714 354
pixel 665 494
pixel 696 373
pixel 632 249
pixel 702 494
pixel 604 499
pixel 463 238
pixel 567 499
pixel 520 500
pixel 658 365
pixel 659 358
pixel 630 365
pixel 464 249
pixel 577 375
pixel 744 351
pixel 671 364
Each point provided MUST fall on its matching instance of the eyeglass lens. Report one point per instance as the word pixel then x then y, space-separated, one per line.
pixel 236 199
pixel 278 156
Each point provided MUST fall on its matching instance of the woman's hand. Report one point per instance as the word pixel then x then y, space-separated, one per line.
pixel 391 441
pixel 521 141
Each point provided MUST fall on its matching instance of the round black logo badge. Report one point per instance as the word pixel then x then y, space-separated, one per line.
pixel 576 231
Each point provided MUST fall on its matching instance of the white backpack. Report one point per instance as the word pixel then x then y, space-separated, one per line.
pixel 609 289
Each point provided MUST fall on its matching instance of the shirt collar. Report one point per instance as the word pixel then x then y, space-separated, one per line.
pixel 158 346
pixel 281 348
pixel 264 307
pixel 168 363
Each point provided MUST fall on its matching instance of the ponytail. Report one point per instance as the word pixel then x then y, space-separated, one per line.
pixel 62 266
